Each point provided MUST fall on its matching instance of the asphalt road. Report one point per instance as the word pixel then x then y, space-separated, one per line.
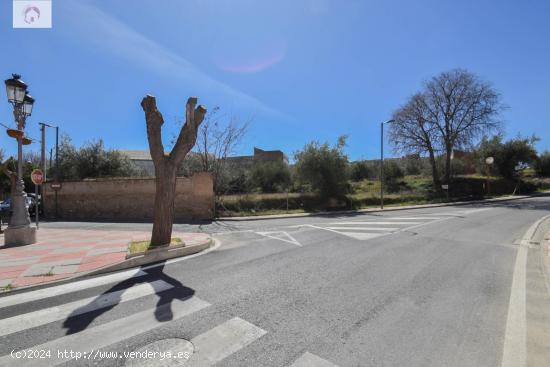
pixel 424 287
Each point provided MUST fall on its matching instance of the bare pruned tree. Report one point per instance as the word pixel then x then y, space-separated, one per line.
pixel 412 132
pixel 166 165
pixel 453 110
pixel 217 139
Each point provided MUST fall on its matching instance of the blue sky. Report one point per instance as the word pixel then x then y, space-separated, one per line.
pixel 300 69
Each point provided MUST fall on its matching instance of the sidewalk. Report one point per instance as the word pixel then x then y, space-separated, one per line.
pixel 66 253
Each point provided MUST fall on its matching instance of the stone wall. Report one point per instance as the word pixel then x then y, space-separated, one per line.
pixel 128 199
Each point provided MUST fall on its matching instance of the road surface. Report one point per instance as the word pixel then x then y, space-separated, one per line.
pixel 424 287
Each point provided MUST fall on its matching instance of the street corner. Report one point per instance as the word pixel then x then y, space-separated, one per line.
pixel 62 254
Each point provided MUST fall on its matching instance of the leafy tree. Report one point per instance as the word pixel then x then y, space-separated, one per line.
pixel 92 160
pixel 392 175
pixel 359 170
pixel 270 176
pixel 542 165
pixel 508 155
pixel 324 167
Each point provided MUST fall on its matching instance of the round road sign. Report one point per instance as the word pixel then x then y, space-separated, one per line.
pixel 37 177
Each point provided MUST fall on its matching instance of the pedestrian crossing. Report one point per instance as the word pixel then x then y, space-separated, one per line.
pixel 377 226
pixel 84 346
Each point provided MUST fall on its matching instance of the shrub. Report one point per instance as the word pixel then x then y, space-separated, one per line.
pixel 392 175
pixel 324 168
pixel 359 171
pixel 270 176
pixel 542 165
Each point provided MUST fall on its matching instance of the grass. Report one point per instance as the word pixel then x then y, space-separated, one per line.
pixel 7 288
pixel 141 246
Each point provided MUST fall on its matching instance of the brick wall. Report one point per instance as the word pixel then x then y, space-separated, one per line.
pixel 129 199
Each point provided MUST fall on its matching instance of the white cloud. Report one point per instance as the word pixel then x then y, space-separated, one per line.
pixel 102 30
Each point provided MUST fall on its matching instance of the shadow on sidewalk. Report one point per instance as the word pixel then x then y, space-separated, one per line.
pixel 79 319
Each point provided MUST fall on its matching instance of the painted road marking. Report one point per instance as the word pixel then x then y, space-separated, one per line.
pixel 51 314
pixel 281 236
pixel 220 342
pixel 59 290
pixel 376 229
pixel 311 360
pixel 110 333
pixel 373 222
pixel 514 353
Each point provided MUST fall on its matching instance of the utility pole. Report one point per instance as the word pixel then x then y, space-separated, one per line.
pixel 382 161
pixel 56 166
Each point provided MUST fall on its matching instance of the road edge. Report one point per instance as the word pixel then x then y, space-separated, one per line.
pixel 514 353
pixel 374 210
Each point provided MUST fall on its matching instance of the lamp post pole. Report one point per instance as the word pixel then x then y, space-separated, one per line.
pixel 19 231
pixel 382 161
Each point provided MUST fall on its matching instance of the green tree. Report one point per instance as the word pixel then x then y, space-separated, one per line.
pixel 392 175
pixel 359 170
pixel 323 167
pixel 508 155
pixel 542 165
pixel 92 160
pixel 271 176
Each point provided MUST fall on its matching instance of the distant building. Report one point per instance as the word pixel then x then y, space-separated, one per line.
pixel 142 159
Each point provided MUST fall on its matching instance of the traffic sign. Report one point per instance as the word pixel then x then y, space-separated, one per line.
pixel 37 177
pixel 55 185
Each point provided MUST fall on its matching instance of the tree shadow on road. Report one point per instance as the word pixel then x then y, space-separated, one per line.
pixel 81 318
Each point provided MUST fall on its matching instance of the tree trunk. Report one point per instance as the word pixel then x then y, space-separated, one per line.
pixel 435 173
pixel 165 193
pixel 448 150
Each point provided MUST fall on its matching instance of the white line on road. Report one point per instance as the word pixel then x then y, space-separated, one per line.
pixel 353 229
pixel 82 306
pixel 220 342
pixel 110 333
pixel 514 353
pixel 74 286
pixel 311 360
pixel 281 236
pixel 376 222
pixel 12 300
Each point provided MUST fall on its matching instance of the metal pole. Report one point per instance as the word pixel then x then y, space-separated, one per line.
pixel 381 165
pixel 43 150
pixel 36 204
pixel 56 166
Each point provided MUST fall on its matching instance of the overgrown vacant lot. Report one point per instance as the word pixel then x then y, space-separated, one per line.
pixel 366 194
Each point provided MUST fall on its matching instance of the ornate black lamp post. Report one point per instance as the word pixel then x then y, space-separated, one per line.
pixel 19 231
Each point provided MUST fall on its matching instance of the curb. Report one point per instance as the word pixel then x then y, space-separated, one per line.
pixel 374 210
pixel 135 261
pixel 155 256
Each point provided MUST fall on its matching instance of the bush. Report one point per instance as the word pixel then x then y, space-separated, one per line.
pixel 324 168
pixel 542 165
pixel 92 160
pixel 393 175
pixel 509 155
pixel 270 176
pixel 359 171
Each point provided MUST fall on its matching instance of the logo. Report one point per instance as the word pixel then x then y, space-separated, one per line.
pixel 32 13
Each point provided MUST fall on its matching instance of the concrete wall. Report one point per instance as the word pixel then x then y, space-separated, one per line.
pixel 129 199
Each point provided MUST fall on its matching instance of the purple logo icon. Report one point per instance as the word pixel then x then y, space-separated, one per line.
pixel 31 14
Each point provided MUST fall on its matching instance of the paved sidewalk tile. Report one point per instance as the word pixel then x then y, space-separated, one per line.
pixel 64 253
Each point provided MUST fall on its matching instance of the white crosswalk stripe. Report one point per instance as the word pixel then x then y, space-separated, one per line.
pixel 207 349
pixel 222 341
pixel 59 290
pixel 365 230
pixel 51 314
pixel 104 335
pixel 311 360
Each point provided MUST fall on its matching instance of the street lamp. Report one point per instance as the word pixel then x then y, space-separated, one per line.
pixel 19 231
pixel 382 161
pixel 489 161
